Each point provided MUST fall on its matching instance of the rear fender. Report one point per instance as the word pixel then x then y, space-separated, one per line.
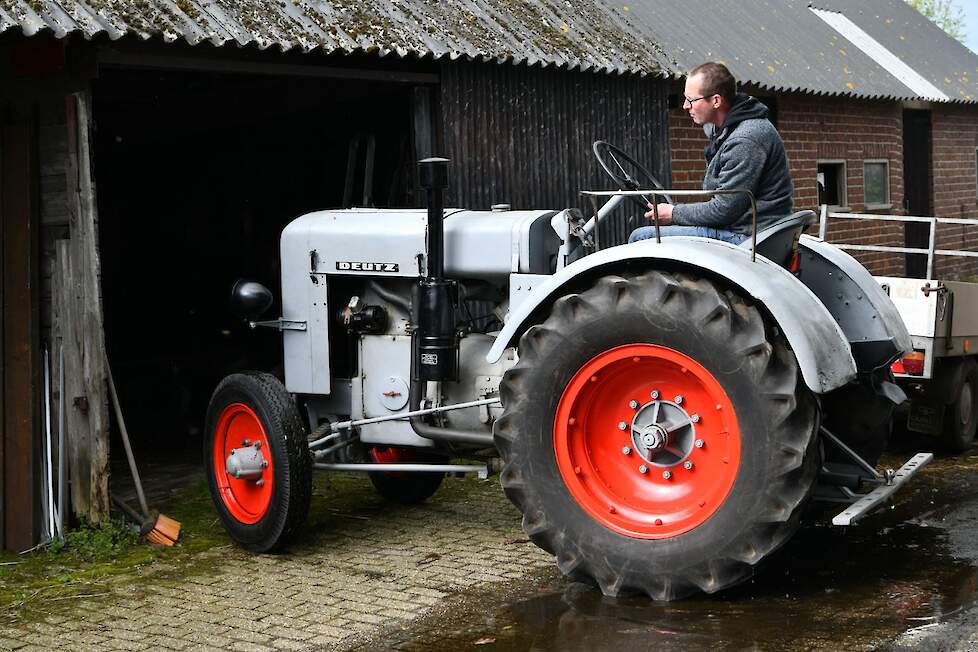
pixel 820 346
pixel 876 332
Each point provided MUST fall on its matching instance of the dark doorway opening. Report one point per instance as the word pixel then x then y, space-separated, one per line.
pixel 197 174
pixel 917 185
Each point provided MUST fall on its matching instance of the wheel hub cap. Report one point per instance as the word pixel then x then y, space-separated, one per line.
pixel 244 475
pixel 966 403
pixel 663 433
pixel 650 469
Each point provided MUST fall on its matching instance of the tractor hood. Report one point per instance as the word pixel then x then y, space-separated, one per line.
pixel 487 245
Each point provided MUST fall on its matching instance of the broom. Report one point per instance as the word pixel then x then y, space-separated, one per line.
pixel 156 528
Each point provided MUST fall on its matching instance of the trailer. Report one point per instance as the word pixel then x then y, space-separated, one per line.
pixel 940 374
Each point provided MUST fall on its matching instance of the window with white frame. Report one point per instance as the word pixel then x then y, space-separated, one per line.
pixel 831 176
pixel 876 183
pixel 976 173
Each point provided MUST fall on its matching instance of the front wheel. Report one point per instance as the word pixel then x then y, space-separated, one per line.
pixel 257 461
pixel 656 436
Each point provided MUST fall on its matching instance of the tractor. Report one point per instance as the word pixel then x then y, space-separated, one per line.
pixel 661 412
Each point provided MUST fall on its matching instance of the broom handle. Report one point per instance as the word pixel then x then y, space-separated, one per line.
pixel 125 442
pixel 130 512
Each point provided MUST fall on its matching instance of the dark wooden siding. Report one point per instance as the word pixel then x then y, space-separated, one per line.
pixel 523 136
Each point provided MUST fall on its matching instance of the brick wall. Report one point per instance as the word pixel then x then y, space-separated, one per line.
pixel 813 129
pixel 955 190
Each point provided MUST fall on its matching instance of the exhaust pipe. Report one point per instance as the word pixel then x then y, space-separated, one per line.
pixel 435 338
pixel 435 345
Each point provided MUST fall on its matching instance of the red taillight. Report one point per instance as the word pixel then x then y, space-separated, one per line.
pixel 795 262
pixel 911 364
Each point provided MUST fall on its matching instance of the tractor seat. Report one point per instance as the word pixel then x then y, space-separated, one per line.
pixel 776 241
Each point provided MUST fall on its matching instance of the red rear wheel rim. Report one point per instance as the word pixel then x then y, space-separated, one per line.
pixel 247 500
pixel 695 441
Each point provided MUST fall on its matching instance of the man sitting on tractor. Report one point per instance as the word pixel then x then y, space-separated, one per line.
pixel 744 152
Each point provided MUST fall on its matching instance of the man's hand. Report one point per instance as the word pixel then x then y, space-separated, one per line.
pixel 665 214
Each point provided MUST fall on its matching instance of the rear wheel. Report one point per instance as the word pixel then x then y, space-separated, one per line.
pixel 405 488
pixel 961 414
pixel 257 462
pixel 656 436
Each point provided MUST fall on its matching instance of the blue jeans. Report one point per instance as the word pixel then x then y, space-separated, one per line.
pixel 646 232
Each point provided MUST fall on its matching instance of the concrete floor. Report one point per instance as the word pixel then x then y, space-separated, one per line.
pixel 458 573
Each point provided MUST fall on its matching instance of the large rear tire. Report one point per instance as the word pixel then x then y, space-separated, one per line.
pixel 248 410
pixel 695 372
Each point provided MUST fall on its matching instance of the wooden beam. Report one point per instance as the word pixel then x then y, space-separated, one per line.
pixel 108 58
pixel 21 491
pixel 87 418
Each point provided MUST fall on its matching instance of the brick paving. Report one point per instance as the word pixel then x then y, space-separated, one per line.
pixel 352 575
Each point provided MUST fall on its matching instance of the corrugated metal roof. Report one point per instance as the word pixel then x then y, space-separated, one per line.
pixel 778 45
pixel 944 62
pixel 881 55
pixel 588 34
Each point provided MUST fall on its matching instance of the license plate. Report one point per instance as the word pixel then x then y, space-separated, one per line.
pixel 925 418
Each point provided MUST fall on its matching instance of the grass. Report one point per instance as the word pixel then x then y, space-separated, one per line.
pixel 93 559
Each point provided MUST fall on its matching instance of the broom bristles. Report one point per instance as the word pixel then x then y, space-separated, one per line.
pixel 168 526
pixel 164 532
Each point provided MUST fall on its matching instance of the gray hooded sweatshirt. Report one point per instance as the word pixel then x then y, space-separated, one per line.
pixel 746 153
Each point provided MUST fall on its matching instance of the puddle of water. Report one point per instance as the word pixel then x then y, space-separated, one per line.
pixel 829 588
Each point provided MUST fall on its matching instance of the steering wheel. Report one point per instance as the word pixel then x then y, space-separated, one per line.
pixel 614 162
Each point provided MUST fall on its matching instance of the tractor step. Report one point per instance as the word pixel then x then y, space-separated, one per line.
pixel 880 494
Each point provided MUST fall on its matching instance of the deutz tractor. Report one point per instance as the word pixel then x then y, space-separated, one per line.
pixel 660 412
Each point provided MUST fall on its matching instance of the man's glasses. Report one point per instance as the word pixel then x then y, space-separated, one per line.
pixel 690 100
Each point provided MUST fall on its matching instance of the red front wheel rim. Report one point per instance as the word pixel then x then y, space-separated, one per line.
pixel 647 441
pixel 247 500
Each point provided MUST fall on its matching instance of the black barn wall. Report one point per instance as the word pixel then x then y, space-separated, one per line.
pixel 522 135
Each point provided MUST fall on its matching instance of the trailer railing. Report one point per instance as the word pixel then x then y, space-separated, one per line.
pixel 931 251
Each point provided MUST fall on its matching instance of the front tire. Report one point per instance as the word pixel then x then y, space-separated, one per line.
pixel 697 373
pixel 248 409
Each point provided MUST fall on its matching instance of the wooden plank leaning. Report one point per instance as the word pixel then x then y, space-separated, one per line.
pixel 81 323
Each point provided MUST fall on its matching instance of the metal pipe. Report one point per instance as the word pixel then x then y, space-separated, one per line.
pixel 851 453
pixel 345 425
pixel 483 471
pixel 340 426
pixel 608 206
pixel 435 433
pixel 689 193
pixel 52 532
pixel 931 246
pixel 62 467
pixel 125 442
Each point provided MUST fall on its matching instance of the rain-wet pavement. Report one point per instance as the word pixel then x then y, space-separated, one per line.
pixel 904 578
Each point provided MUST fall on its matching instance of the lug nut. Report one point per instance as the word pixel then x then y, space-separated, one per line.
pixel 695 418
pixel 626 450
pixel 654 394
pixel 633 404
pixel 699 443
pixel 622 425
pixel 246 442
pixel 643 469
pixel 257 445
pixel 264 464
pixel 688 465
pixel 679 400
pixel 667 474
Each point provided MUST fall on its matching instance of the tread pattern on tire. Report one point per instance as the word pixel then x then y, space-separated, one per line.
pixel 667 301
